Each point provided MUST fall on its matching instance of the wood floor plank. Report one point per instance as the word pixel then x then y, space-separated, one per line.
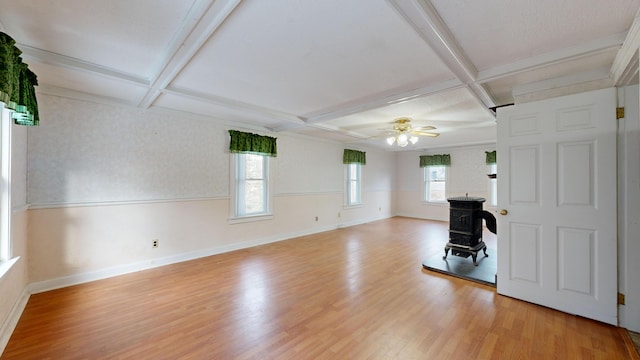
pixel 352 293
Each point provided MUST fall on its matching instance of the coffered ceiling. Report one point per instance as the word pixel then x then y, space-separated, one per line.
pixel 336 69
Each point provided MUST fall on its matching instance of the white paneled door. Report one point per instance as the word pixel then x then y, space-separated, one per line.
pixel 557 200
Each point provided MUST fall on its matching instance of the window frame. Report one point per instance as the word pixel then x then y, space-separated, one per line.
pixel 426 185
pixel 6 246
pixel 237 188
pixel 349 180
pixel 493 186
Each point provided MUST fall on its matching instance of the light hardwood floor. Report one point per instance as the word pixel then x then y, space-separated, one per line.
pixel 352 293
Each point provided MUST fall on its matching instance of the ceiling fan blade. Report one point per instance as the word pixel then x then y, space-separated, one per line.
pixel 422 133
pixel 424 128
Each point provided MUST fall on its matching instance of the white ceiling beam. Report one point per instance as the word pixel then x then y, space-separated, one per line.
pixel 80 95
pixel 50 58
pixel 204 18
pixel 337 129
pixel 594 75
pixel 233 104
pixel 571 53
pixel 630 75
pixel 426 21
pixel 627 53
pixel 234 124
pixel 386 100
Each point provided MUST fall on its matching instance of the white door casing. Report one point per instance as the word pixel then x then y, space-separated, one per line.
pixel 557 182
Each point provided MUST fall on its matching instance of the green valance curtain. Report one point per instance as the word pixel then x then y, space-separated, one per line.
pixel 429 160
pixel 491 157
pixel 248 143
pixel 354 157
pixel 17 83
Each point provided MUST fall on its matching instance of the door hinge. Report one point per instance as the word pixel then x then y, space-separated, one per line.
pixel 619 113
pixel 620 299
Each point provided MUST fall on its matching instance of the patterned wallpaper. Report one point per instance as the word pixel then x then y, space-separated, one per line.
pixel 468 172
pixel 298 164
pixel 84 152
pixel 19 166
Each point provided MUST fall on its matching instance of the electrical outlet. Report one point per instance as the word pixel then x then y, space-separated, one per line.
pixel 155 243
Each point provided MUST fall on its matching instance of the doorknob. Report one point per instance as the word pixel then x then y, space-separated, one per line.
pixel 503 212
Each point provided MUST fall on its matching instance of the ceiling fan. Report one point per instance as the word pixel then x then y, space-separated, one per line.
pixel 403 133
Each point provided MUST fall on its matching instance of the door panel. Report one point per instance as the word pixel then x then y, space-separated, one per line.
pixel 557 242
pixel 525 250
pixel 576 172
pixel 524 125
pixel 525 175
pixel 576 257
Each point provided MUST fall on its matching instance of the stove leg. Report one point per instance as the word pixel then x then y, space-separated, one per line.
pixel 485 251
pixel 446 252
pixel 474 255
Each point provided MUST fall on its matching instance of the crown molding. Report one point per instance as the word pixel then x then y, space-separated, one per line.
pixel 628 54
pixel 566 85
pixel 590 76
pixel 79 95
pixel 233 104
pixel 630 75
pixel 553 58
pixel 383 100
pixel 51 58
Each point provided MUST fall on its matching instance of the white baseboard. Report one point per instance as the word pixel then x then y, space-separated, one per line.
pixel 418 216
pixel 12 320
pixel 360 222
pixel 76 279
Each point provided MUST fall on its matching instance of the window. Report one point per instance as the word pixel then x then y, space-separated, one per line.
pixel 491 157
pixel 252 195
pixel 493 186
pixel 353 184
pixel 250 169
pixel 435 183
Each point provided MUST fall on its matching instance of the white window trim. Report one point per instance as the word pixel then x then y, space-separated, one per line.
pixel 424 187
pixel 347 192
pixel 249 218
pixel 491 170
pixel 6 251
pixel 233 198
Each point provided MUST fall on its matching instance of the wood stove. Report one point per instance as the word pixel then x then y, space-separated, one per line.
pixel 465 227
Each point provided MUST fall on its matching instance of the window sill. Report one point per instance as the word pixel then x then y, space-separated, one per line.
pixel 436 203
pixel 252 218
pixel 5 266
pixel 353 206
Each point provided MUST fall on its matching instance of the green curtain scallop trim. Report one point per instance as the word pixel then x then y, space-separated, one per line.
pixel 491 157
pixel 354 157
pixel 17 83
pixel 432 160
pixel 248 143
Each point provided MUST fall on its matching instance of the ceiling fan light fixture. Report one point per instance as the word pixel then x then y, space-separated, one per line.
pixel 403 140
pixel 391 140
pixel 403 133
